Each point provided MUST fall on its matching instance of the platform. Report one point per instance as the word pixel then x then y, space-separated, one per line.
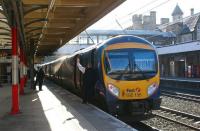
pixel 179 79
pixel 189 85
pixel 54 109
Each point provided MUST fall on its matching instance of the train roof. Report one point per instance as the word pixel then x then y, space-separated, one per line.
pixel 125 38
pixel 130 32
pixel 116 39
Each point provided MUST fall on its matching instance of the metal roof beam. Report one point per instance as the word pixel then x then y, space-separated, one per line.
pixel 5 29
pixel 2 15
pixel 33 35
pixel 6 38
pixel 77 3
pixel 34 29
pixel 56 30
pixel 63 15
pixel 6 34
pixel 35 21
pixel 35 25
pixel 35 8
pixel 61 25
pixel 68 3
pixel 5 22
pixel 35 2
pixel 56 40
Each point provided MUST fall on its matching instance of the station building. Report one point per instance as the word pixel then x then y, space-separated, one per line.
pixel 182 58
pixel 178 56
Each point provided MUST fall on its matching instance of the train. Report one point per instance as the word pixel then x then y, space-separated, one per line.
pixel 127 75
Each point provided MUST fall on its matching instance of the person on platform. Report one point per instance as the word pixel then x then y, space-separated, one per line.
pixel 39 78
pixel 88 79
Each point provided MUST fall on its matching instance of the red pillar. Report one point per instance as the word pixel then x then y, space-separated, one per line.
pixel 15 91
pixel 21 72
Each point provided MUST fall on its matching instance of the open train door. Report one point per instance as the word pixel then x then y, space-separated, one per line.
pixel 77 74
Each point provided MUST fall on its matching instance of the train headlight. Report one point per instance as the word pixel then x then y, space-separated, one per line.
pixel 152 88
pixel 114 90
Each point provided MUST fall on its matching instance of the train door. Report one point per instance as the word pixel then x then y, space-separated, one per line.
pixel 94 66
pixel 85 60
pixel 76 74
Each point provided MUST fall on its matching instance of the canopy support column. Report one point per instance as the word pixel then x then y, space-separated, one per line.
pixel 15 81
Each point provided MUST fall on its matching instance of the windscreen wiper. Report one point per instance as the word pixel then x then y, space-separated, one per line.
pixel 141 71
pixel 122 74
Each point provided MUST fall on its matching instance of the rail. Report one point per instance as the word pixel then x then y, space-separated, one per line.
pixel 183 96
pixel 182 118
pixel 181 79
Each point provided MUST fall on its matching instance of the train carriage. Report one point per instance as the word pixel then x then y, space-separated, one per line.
pixel 127 74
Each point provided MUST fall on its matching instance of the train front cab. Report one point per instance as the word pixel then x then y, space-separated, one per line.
pixel 131 88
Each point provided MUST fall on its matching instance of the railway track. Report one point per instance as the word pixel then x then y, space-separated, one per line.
pixel 182 118
pixel 183 96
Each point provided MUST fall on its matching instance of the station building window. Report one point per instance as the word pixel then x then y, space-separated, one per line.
pixel 193 66
pixel 186 37
pixel 198 31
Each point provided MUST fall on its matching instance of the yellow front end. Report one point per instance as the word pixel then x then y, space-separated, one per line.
pixel 130 90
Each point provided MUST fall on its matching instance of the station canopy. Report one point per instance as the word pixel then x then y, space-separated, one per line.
pixel 51 23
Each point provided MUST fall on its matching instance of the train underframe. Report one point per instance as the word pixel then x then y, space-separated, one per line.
pixel 135 110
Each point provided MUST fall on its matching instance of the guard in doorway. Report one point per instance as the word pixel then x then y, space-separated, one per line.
pixel 88 78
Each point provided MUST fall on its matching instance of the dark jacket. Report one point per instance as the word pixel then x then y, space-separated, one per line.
pixel 89 79
pixel 40 74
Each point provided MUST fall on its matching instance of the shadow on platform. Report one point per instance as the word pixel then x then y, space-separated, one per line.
pixel 53 109
pixel 31 116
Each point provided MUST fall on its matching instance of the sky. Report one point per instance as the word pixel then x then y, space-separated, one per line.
pixel 123 13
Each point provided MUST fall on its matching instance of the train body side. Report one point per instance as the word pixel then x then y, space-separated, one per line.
pixel 132 96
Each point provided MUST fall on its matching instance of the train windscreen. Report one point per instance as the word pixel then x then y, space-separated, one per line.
pixel 130 64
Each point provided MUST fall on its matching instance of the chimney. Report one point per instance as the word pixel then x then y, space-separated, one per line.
pixel 153 17
pixel 192 11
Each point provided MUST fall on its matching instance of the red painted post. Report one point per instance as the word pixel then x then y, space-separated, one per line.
pixel 21 72
pixel 15 90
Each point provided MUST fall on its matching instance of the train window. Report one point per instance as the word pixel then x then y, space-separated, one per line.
pixel 144 61
pixel 121 64
pixel 117 61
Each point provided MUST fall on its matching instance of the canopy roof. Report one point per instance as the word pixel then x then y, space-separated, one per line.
pixel 49 24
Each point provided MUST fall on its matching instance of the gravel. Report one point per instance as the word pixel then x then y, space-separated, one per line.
pixel 181 105
pixel 177 104
pixel 165 125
